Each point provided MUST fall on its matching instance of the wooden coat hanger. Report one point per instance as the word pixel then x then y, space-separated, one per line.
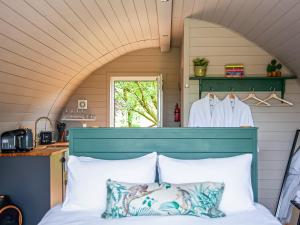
pixel 253 96
pixel 211 94
pixel 231 95
pixel 274 96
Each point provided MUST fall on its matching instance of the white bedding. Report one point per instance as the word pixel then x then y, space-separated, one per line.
pixel 259 216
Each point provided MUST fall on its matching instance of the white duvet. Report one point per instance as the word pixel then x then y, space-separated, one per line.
pixel 259 216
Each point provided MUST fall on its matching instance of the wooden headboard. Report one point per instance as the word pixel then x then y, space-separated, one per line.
pixel 181 143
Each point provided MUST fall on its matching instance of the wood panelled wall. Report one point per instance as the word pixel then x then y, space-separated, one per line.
pixel 48 47
pixel 277 124
pixel 149 61
pixel 272 24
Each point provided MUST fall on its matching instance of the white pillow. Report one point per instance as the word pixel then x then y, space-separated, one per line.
pixel 86 188
pixel 235 172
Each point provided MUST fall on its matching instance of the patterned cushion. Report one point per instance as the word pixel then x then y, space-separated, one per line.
pixel 197 199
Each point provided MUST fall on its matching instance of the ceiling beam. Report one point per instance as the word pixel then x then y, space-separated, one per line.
pixel 164 12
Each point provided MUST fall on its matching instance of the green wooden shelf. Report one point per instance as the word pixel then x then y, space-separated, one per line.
pixel 244 84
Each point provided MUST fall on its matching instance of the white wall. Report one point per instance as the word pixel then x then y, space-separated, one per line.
pixel 148 61
pixel 276 124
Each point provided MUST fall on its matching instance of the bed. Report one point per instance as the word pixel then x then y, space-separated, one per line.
pixel 181 143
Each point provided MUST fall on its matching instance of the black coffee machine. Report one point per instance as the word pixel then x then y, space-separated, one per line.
pixel 19 140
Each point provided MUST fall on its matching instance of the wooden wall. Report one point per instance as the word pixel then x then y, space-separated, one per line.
pixel 149 61
pixel 277 124
pixel 272 24
pixel 48 47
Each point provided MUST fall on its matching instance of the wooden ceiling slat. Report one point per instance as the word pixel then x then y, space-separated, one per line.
pixel 34 43
pixel 176 22
pixel 83 15
pixel 31 72
pixel 18 70
pixel 287 54
pixel 16 59
pixel 152 17
pixel 133 18
pixel 141 10
pixel 198 8
pixel 87 38
pixel 188 6
pixel 258 15
pixel 8 107
pixel 221 10
pixel 22 23
pixel 30 54
pixel 274 15
pixel 48 47
pixel 10 87
pixel 77 42
pixel 9 98
pixel 40 20
pixel 20 91
pixel 209 9
pixel 110 16
pixel 120 13
pixel 17 80
pixel 177 8
pixel 244 13
pixel 284 26
pixel 102 22
pixel 232 11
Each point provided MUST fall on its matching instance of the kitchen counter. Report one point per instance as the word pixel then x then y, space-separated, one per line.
pixel 34 180
pixel 41 150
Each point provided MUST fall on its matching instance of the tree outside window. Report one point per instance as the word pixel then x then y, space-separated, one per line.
pixel 136 103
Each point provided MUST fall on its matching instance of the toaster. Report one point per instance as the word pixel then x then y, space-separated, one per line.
pixel 17 140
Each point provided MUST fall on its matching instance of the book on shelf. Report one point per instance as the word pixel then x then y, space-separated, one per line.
pixel 235 75
pixel 234 66
pixel 234 70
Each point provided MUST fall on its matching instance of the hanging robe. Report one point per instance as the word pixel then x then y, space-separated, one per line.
pixel 289 190
pixel 232 113
pixel 201 112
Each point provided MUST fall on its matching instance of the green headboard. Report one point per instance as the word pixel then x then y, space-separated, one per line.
pixel 181 143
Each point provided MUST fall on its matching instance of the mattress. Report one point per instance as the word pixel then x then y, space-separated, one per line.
pixel 260 216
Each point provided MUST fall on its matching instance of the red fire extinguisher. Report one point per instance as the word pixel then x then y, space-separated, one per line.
pixel 177 113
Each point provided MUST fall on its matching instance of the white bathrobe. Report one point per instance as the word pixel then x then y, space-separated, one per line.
pixel 232 113
pixel 201 112
pixel 289 190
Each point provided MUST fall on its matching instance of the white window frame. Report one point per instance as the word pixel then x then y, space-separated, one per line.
pixel 146 77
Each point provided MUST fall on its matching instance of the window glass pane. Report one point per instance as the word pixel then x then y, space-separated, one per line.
pixel 135 103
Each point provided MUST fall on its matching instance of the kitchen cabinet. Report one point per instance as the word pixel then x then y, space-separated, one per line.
pixel 34 180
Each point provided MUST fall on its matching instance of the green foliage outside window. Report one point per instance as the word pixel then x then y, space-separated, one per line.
pixel 136 104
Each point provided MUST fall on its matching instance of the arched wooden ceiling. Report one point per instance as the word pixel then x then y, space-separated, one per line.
pixel 47 47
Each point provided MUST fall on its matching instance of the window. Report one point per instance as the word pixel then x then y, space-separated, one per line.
pixel 136 101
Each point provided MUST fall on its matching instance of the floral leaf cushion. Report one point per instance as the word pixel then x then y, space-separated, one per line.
pixel 197 199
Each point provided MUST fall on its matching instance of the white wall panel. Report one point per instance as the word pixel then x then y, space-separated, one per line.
pixel 48 47
pixel 277 124
pixel 96 87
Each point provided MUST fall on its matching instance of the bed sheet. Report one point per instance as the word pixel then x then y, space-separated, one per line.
pixel 259 216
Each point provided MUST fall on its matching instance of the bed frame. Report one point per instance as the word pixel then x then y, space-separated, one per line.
pixel 181 143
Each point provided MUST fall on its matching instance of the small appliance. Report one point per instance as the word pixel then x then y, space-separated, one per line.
pixel 61 130
pixel 46 137
pixel 17 140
